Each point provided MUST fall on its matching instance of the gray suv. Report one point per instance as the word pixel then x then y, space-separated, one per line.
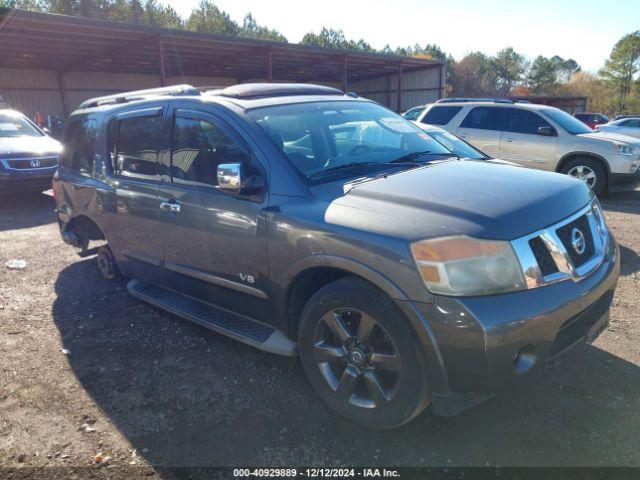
pixel 541 137
pixel 303 221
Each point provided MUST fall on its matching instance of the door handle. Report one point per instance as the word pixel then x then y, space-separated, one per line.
pixel 170 206
pixel 509 140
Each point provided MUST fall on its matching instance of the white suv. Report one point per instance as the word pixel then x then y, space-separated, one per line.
pixel 542 137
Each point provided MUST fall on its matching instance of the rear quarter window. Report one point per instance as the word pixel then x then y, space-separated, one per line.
pixel 440 115
pixel 79 145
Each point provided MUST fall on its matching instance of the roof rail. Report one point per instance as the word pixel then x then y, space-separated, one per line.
pixel 469 99
pixel 124 97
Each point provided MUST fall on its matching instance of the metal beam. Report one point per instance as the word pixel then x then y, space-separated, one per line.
pixel 269 65
pixel 345 72
pixel 63 94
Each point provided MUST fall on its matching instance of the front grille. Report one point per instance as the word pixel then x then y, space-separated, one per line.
pixel 543 257
pixel 565 233
pixel 27 163
pixel 578 326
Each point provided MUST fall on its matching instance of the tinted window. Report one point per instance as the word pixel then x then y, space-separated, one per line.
pixel 198 148
pixel 137 146
pixel 440 115
pixel 79 145
pixel 524 121
pixel 485 118
pixel 633 123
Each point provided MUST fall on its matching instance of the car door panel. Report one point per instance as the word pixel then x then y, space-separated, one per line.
pixel 482 128
pixel 522 144
pixel 214 238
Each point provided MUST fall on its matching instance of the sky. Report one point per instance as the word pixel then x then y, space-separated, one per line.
pixel 585 30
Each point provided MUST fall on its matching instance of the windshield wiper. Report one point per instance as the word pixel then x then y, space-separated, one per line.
pixel 409 157
pixel 346 166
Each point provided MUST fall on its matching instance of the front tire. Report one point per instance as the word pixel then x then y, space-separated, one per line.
pixel 590 171
pixel 107 263
pixel 361 355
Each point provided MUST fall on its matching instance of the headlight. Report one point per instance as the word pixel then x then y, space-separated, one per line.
pixel 463 265
pixel 628 150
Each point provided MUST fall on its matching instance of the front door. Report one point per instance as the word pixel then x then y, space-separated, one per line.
pixel 213 242
pixel 521 142
pixel 482 128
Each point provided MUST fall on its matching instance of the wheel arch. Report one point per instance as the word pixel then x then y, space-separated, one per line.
pixel 82 228
pixel 311 274
pixel 573 155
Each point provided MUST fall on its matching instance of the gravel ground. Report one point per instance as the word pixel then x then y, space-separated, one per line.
pixel 86 370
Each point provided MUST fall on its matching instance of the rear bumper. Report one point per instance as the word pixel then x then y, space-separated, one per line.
pixel 489 342
pixel 624 181
pixel 28 181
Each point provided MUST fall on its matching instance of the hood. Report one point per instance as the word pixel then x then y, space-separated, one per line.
pixel 606 136
pixel 479 199
pixel 29 146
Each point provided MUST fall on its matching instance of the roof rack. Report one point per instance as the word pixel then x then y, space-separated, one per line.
pixel 470 99
pixel 124 97
pixel 265 90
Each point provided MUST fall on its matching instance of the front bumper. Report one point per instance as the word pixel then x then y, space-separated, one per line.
pixel 28 181
pixel 479 338
pixel 619 182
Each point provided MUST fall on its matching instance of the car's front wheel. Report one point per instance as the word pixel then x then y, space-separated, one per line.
pixel 589 171
pixel 362 356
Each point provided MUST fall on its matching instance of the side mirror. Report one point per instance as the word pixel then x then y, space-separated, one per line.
pixel 547 131
pixel 232 178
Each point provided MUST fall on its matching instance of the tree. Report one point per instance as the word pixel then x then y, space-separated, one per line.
pixel 210 19
pixel 622 66
pixel 330 38
pixel 508 66
pixel 542 77
pixel 598 91
pixel 471 76
pixel 251 29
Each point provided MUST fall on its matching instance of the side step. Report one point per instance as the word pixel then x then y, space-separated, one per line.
pixel 241 328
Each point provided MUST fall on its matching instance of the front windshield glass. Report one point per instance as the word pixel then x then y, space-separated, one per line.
pixel 569 123
pixel 345 138
pixel 461 148
pixel 15 125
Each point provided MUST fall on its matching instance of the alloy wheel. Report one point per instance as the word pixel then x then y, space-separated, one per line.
pixel 584 173
pixel 357 358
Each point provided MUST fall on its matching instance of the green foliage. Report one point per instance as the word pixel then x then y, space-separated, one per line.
pixel 621 69
pixel 251 29
pixel 330 38
pixel 210 19
pixel 546 74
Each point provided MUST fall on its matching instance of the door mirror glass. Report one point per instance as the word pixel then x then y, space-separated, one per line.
pixel 546 131
pixel 230 176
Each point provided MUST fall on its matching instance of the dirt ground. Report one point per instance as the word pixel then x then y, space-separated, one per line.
pixel 87 369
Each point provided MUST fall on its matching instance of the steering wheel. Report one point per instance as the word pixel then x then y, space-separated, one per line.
pixel 359 150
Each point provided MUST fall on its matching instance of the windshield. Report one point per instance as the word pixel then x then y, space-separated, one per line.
pixel 566 121
pixel 345 138
pixel 13 124
pixel 456 145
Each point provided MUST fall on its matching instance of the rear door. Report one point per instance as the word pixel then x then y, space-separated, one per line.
pixel 482 128
pixel 135 141
pixel 213 241
pixel 521 143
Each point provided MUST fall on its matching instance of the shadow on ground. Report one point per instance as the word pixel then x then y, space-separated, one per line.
pixel 27 210
pixel 183 395
pixel 624 202
pixel 629 261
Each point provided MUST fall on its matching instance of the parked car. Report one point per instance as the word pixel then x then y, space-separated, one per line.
pixel 625 126
pixel 28 157
pixel 541 137
pixel 452 143
pixel 592 119
pixel 413 113
pixel 300 220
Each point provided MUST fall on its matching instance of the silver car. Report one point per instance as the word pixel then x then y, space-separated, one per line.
pixel 541 137
pixel 624 126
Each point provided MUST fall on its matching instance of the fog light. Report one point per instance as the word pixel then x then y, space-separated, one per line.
pixel 525 359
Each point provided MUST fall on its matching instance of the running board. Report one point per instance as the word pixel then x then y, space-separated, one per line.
pixel 240 328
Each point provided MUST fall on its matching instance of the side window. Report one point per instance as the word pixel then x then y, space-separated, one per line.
pixel 79 145
pixel 524 121
pixel 440 115
pixel 198 147
pixel 485 118
pixel 633 123
pixel 136 152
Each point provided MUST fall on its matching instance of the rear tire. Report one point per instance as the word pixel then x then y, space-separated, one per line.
pixel 107 263
pixel 361 355
pixel 590 171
